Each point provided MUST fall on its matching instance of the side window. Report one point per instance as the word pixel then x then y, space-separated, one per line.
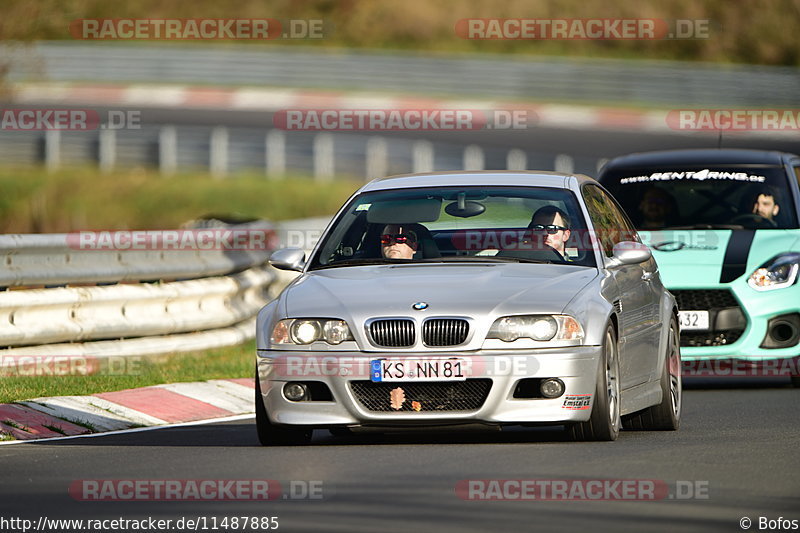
pixel 609 222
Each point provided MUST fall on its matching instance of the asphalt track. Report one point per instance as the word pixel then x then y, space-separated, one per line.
pixel 737 449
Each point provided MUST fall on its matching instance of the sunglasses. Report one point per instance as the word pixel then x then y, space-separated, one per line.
pixel 551 229
pixel 402 238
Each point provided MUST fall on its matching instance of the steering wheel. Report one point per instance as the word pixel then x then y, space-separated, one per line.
pixel 758 220
pixel 545 253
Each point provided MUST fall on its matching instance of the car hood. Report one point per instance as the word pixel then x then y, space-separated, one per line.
pixel 695 258
pixel 449 289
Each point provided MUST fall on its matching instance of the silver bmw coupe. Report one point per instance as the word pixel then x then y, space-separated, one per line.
pixel 463 298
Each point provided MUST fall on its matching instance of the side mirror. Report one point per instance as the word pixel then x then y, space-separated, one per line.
pixel 629 253
pixel 288 259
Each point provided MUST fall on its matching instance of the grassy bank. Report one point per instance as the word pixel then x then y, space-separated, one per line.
pixel 761 31
pixel 34 201
pixel 233 362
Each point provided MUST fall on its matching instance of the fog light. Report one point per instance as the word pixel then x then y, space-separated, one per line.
pixel 295 392
pixel 552 388
pixel 782 331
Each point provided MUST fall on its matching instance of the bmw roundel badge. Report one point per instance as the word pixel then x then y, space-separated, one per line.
pixel 420 306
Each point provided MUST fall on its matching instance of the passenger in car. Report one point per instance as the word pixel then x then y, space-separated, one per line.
pixel 658 209
pixel 398 242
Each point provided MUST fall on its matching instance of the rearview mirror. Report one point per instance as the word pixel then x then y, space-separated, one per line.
pixel 288 259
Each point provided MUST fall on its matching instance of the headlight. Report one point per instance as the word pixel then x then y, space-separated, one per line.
pixel 777 273
pixel 305 331
pixel 536 327
pixel 308 330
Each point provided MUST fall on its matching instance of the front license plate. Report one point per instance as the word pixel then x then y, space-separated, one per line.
pixel 418 370
pixel 693 320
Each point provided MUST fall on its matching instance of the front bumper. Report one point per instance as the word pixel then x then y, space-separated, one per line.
pixel 577 367
pixel 758 309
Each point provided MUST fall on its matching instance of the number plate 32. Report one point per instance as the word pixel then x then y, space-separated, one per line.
pixel 693 320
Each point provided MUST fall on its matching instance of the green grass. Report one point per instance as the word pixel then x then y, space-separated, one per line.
pixel 55 429
pixel 14 425
pixel 222 363
pixel 35 201
pixel 82 423
pixel 762 32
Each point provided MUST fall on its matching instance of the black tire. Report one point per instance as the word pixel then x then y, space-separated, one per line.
pixel 666 416
pixel 270 434
pixel 604 422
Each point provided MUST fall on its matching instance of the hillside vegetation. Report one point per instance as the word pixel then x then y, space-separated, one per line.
pixel 755 31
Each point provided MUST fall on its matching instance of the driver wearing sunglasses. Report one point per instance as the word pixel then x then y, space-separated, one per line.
pixel 550 225
pixel 398 242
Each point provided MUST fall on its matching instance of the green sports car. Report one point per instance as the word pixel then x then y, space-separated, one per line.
pixel 723 227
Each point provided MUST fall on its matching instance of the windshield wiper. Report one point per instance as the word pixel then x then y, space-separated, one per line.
pixel 365 261
pixel 486 259
pixel 450 259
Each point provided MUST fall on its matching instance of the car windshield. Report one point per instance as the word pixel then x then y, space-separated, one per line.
pixel 704 197
pixel 456 224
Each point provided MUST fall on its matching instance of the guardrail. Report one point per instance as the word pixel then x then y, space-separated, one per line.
pixel 75 314
pixel 50 259
pixel 223 151
pixel 158 300
pixel 491 76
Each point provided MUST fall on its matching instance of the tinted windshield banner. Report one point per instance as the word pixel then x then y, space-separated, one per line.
pixel 699 175
pixel 731 197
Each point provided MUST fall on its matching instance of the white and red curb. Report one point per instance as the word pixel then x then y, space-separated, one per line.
pixel 568 116
pixel 158 405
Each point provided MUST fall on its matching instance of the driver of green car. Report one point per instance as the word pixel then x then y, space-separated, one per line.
pixel 765 205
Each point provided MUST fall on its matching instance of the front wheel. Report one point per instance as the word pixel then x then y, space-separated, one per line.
pixel 666 416
pixel 270 434
pixel 604 422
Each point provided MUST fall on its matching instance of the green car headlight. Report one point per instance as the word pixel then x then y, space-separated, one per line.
pixel 777 273
pixel 536 327
pixel 307 330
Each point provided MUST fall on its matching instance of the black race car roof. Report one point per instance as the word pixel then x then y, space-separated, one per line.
pixel 709 156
